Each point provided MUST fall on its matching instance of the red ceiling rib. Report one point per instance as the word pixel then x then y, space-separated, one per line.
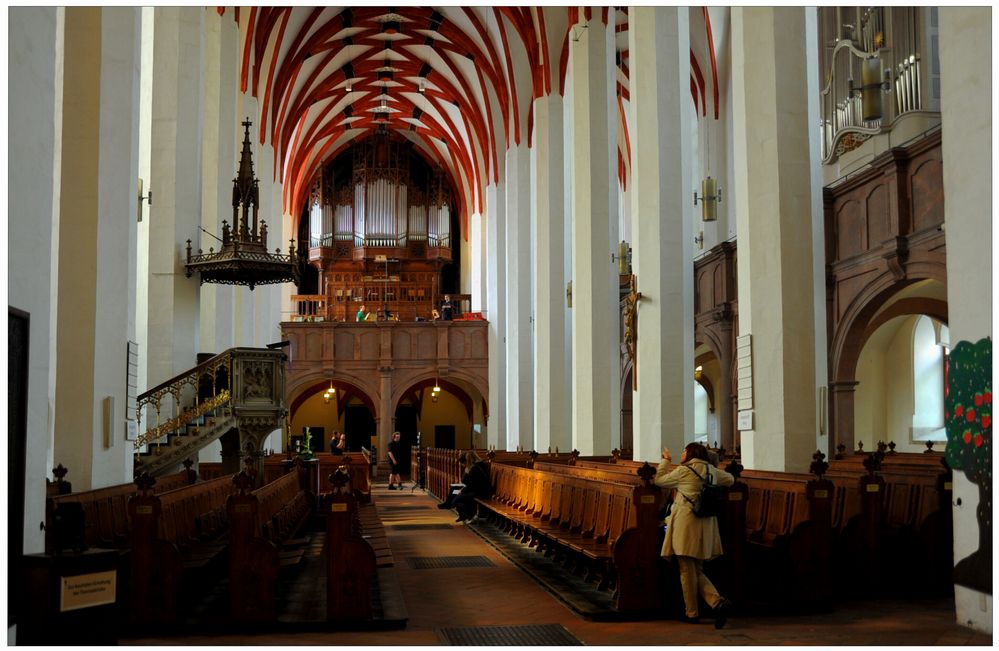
pixel 714 62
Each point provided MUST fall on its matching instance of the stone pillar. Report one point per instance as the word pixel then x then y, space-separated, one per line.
pixel 596 398
pixel 219 156
pixel 517 262
pixel 34 128
pixel 661 217
pixel 386 415
pixel 96 252
pixel 966 66
pixel 177 118
pixel 773 211
pixel 495 306
pixel 476 245
pixel 552 418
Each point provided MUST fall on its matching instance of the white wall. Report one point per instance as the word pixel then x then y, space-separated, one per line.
pixel 34 68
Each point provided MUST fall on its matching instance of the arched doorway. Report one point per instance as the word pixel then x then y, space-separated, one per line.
pixel 446 413
pixel 345 409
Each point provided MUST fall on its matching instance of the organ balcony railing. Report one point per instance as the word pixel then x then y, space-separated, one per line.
pixel 878 65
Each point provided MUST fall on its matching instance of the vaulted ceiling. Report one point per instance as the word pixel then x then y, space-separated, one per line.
pixel 458 82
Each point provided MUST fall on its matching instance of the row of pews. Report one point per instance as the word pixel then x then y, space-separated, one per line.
pixel 179 537
pixel 867 523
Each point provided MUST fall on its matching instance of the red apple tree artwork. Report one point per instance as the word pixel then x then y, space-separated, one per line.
pixel 968 414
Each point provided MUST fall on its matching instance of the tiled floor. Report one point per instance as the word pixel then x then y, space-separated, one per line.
pixel 503 595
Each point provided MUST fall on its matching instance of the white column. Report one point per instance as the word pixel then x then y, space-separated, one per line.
pixel 661 218
pixel 773 206
pixel 477 253
pixel 495 304
pixel 517 261
pixel 552 418
pixel 34 114
pixel 596 425
pixel 965 36
pixel 176 180
pixel 96 251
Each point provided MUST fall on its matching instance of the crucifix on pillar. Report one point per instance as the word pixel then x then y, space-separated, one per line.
pixel 631 327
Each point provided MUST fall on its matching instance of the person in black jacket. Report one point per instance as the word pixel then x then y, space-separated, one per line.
pixel 477 485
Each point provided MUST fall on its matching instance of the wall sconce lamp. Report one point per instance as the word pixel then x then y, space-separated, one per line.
pixel 710 196
pixel 568 294
pixel 698 372
pixel 329 393
pixel 873 82
pixel 147 197
pixel 699 240
pixel 622 258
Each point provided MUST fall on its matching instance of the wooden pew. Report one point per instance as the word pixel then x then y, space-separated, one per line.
pixel 104 511
pixel 892 520
pixel 259 522
pixel 788 525
pixel 175 537
pixel 351 565
pixel 604 530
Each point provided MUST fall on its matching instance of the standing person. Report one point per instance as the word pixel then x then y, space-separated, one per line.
pixel 447 309
pixel 341 444
pixel 394 454
pixel 477 485
pixel 361 314
pixel 338 443
pixel 691 539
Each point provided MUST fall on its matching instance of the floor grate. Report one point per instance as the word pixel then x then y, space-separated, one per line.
pixel 403 507
pixel 447 562
pixel 418 527
pixel 532 635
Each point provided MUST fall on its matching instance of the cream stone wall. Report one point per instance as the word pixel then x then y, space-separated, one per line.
pixel 966 63
pixel 35 54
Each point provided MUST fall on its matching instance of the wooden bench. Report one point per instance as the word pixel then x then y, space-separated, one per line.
pixel 104 512
pixel 260 522
pixel 175 537
pixel 892 520
pixel 785 554
pixel 603 530
pixel 351 562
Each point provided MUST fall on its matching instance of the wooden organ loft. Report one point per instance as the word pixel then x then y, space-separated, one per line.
pixel 380 226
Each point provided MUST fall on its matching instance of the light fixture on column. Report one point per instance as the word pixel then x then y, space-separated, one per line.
pixel 710 196
pixel 873 82
pixel 698 372
pixel 622 258
pixel 699 240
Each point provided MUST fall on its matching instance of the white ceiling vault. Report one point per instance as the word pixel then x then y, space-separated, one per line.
pixel 458 82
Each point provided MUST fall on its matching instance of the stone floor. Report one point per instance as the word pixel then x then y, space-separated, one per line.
pixel 501 595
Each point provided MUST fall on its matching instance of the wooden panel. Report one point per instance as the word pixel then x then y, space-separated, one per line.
pixel 370 345
pixel 704 298
pixel 344 343
pixel 427 344
pixel 480 345
pixel 878 216
pixel 313 345
pixel 402 345
pixel 849 230
pixel 927 195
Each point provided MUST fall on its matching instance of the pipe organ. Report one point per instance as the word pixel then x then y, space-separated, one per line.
pixel 380 220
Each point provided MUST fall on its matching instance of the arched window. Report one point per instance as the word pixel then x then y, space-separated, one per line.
pixel 928 337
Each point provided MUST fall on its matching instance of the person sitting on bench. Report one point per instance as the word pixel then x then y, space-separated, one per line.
pixel 477 485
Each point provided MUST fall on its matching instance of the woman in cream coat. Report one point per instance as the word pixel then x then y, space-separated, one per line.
pixel 693 540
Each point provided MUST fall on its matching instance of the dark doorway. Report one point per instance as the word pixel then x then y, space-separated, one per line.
pixel 444 436
pixel 405 424
pixel 18 327
pixel 359 426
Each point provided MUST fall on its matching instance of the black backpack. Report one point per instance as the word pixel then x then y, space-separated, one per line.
pixel 711 502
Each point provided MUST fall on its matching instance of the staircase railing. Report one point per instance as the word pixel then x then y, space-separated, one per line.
pixel 188 388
